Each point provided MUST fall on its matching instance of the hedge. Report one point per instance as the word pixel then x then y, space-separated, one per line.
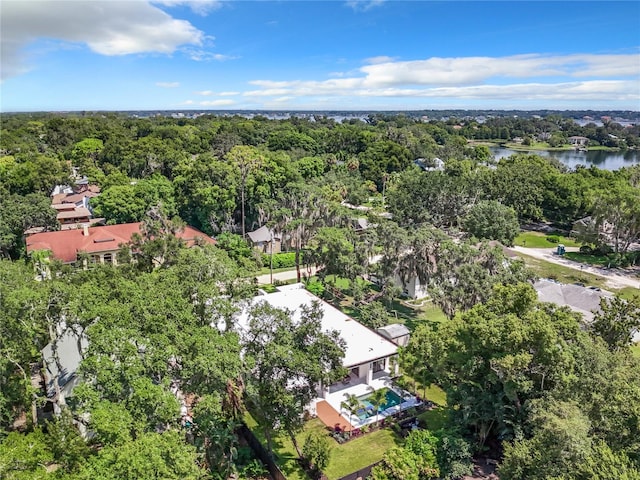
pixel 281 260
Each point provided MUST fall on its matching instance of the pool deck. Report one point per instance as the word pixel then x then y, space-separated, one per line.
pixel 331 418
pixel 335 399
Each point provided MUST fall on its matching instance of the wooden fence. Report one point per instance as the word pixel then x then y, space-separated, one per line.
pixel 261 453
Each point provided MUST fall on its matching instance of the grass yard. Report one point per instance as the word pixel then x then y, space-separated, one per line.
pixel 539 240
pixel 434 419
pixel 359 453
pixel 599 260
pixel 432 313
pixel 628 293
pixel 345 458
pixel 635 350
pixel 561 273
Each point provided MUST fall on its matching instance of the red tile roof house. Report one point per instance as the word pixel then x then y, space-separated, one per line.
pixel 100 243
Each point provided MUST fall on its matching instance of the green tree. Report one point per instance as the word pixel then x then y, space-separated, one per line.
pixel 560 443
pixel 415 461
pixel 246 160
pixel 616 216
pixel 129 203
pixel 150 456
pixel 317 450
pixel 520 182
pixel 377 398
pixel 351 404
pixel 489 220
pixel 617 321
pixel 279 349
pixel 20 213
pixel 334 248
pixel 25 456
pixel 374 315
pixel 465 274
pixel 487 370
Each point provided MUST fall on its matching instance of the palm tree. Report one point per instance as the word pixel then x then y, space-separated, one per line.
pixel 377 399
pixel 351 404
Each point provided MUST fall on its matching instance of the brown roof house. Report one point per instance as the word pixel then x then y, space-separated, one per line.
pixel 72 204
pixel 100 243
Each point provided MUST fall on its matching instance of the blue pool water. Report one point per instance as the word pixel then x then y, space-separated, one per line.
pixel 392 399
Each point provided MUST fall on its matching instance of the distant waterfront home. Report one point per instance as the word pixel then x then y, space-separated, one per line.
pixel 577 141
pixel 101 243
pixel 264 239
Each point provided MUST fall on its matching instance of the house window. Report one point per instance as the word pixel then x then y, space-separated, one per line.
pixel 378 365
pixel 108 258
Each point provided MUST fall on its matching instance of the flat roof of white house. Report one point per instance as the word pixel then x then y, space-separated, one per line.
pixel 362 345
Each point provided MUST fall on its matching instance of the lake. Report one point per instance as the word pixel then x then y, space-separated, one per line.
pixel 572 158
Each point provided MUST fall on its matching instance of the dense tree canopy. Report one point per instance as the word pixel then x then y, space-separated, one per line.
pixel 562 401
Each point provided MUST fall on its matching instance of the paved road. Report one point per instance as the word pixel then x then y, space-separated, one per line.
pixel 283 276
pixel 615 278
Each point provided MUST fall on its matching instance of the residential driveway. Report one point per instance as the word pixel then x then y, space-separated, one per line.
pixel 615 278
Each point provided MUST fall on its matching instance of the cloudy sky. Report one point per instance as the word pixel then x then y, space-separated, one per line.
pixel 347 55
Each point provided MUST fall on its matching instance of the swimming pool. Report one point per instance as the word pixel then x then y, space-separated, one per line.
pixel 391 400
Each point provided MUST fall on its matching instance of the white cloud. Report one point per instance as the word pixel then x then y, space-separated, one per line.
pixel 216 103
pixel 209 93
pixel 363 5
pixel 201 7
pixel 106 27
pixel 167 84
pixel 201 55
pixel 578 76
pixel 379 59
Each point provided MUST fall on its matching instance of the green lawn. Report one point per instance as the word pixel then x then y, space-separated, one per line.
pixel 539 240
pixel 635 350
pixel 434 419
pixel 599 260
pixel 399 311
pixel 561 273
pixel 360 452
pixel 432 313
pixel 345 458
pixel 627 293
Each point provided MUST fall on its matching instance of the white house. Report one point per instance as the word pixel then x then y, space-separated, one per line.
pixel 371 359
pixel 367 354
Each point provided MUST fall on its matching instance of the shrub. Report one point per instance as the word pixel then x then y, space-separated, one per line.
pixel 553 239
pixel 280 260
pixel 602 250
pixel 316 450
pixel 317 288
pixel 255 469
pixel 586 249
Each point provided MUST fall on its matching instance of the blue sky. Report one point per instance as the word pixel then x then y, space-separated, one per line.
pixel 323 55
